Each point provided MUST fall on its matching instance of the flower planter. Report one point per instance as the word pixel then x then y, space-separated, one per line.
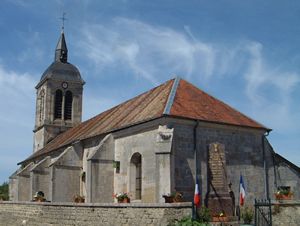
pixel 177 197
pixel 168 199
pixel 125 200
pixel 283 197
pixel 78 199
pixel 220 219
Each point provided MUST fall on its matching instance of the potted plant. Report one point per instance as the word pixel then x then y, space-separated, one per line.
pixel 39 197
pixel 78 199
pixel 173 197
pixel 116 164
pixel 221 217
pixel 247 214
pixel 122 197
pixel 284 193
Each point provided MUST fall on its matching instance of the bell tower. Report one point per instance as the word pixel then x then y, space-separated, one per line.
pixel 58 98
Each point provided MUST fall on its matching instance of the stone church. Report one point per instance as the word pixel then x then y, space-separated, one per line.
pixel 153 144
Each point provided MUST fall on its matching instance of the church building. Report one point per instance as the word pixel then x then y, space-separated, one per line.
pixel 159 142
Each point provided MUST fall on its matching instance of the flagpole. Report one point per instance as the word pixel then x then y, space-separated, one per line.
pixel 239 210
pixel 194 208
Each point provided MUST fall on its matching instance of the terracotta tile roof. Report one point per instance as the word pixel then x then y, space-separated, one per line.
pixel 175 97
pixel 191 102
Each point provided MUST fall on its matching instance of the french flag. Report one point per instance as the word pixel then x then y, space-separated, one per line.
pixel 242 191
pixel 197 195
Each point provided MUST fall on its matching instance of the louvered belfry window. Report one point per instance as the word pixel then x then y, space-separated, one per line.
pixel 58 104
pixel 68 105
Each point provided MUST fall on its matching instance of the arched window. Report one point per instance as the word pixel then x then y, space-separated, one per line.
pixel 58 104
pixel 68 105
pixel 136 175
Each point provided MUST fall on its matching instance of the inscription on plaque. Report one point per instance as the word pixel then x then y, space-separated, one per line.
pixel 218 198
pixel 216 164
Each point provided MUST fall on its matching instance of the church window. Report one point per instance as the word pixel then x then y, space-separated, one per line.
pixel 58 104
pixel 68 105
pixel 136 175
pixel 41 105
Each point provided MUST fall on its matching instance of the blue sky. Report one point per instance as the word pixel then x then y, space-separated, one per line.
pixel 245 53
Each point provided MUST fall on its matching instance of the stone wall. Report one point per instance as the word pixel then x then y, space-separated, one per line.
pixel 125 147
pixel 13 187
pixel 65 175
pixel 46 214
pixel 23 184
pixel 100 171
pixel 287 213
pixel 243 150
pixel 40 178
pixel 282 173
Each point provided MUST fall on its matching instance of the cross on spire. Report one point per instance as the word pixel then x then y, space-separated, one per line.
pixel 63 18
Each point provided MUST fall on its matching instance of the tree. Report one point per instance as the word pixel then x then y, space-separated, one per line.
pixel 4 191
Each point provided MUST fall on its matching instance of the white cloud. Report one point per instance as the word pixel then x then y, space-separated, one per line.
pixel 16 117
pixel 148 51
pixel 16 97
pixel 269 89
pixel 154 53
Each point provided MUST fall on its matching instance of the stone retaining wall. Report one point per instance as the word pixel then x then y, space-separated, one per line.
pixel 46 214
pixel 286 213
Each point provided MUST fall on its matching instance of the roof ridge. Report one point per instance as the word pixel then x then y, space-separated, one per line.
pixel 171 97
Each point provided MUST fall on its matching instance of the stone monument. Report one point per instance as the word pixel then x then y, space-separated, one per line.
pixel 218 200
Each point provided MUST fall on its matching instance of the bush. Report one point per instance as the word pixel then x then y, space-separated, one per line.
pixel 204 215
pixel 4 191
pixel 247 215
pixel 188 221
pixel 203 219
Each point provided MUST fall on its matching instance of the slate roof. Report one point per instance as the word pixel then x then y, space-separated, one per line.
pixel 61 51
pixel 174 98
pixel 61 69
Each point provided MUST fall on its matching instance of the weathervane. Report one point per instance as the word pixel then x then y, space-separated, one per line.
pixel 63 18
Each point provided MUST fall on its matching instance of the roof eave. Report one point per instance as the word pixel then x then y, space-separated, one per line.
pixel 220 123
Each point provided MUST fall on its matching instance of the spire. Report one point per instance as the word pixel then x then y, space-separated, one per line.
pixel 61 51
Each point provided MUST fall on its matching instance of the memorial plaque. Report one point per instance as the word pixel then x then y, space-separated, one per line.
pixel 217 173
pixel 218 198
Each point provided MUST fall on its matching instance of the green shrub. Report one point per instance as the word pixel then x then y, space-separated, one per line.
pixel 204 215
pixel 188 221
pixel 247 215
pixel 4 191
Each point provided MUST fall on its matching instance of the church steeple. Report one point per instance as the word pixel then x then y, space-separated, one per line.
pixel 59 97
pixel 61 51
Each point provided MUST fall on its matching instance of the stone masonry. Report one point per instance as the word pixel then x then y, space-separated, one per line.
pixel 287 213
pixel 135 214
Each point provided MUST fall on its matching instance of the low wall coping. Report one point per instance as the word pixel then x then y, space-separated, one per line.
pixel 286 202
pixel 105 205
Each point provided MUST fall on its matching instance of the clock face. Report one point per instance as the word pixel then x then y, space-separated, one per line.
pixel 64 85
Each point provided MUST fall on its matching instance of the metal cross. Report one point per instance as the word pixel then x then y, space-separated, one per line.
pixel 63 18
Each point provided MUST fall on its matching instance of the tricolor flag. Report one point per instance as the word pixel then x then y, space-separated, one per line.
pixel 197 195
pixel 242 191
